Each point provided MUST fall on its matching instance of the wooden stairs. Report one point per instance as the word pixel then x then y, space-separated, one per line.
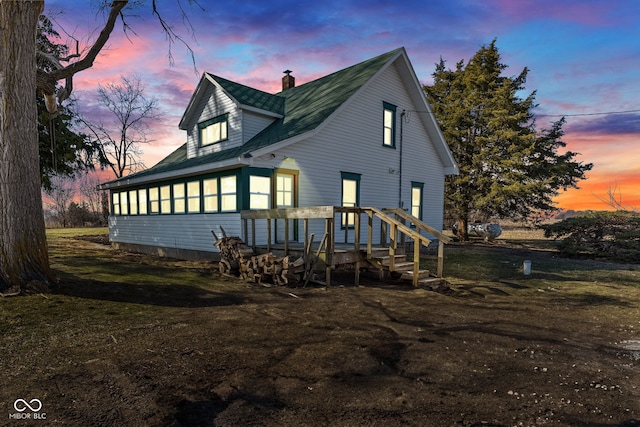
pixel 398 266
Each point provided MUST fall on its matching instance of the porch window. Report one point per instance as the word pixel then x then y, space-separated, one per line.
pixel 124 204
pixel 259 192
pixel 284 190
pixel 116 203
pixel 350 196
pixel 133 202
pixel 214 130
pixel 178 198
pixel 165 199
pixel 154 200
pixel 389 125
pixel 416 199
pixel 193 197
pixel 228 194
pixel 142 201
pixel 210 194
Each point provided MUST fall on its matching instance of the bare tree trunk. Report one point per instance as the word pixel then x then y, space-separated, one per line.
pixel 24 259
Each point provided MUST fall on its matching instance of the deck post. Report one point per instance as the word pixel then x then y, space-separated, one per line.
pixel 370 234
pixel 393 244
pixel 286 236
pixel 245 230
pixel 268 234
pixel 329 231
pixel 356 245
pixel 440 258
pixel 416 262
pixel 253 233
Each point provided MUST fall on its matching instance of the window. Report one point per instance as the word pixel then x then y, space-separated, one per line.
pixel 133 202
pixel 178 198
pixel 193 197
pixel 284 190
pixel 154 200
pixel 165 199
pixel 259 192
pixel 124 204
pixel 116 203
pixel 210 193
pixel 389 120
pixel 228 192
pixel 350 195
pixel 214 130
pixel 142 201
pixel 416 199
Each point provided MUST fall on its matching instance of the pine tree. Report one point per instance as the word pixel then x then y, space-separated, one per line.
pixel 508 169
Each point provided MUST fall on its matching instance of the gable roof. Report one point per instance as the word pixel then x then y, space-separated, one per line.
pixel 299 110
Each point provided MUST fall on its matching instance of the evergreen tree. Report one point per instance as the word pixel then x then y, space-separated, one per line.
pixel 508 169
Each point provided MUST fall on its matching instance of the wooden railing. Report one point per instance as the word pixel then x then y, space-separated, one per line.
pixel 396 224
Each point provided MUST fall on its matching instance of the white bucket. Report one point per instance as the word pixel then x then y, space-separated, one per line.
pixel 526 267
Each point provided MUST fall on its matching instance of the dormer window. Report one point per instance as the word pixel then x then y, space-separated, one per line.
pixel 214 130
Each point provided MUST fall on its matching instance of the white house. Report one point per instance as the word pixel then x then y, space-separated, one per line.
pixel 362 136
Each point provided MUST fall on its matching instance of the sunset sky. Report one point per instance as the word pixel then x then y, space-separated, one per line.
pixel 583 56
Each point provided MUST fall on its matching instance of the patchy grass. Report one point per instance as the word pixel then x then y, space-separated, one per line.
pixel 128 339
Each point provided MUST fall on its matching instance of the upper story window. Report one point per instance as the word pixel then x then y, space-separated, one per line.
pixel 389 125
pixel 214 130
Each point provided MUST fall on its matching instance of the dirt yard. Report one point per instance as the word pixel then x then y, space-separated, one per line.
pixel 152 353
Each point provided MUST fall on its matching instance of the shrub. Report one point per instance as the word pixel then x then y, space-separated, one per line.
pixel 610 235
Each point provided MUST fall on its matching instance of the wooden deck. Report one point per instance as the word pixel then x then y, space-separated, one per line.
pixel 396 228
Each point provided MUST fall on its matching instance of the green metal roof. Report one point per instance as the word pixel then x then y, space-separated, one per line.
pixel 305 108
pixel 252 97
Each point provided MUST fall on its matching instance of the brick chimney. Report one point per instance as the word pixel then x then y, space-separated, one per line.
pixel 288 81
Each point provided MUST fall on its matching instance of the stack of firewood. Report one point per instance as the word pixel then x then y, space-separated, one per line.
pixel 238 259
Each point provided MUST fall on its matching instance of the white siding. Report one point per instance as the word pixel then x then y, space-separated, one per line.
pixel 214 104
pixel 190 231
pixel 352 142
pixel 253 123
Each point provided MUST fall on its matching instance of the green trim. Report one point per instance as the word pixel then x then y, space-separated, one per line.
pixel 420 186
pixel 223 118
pixel 389 107
pixel 350 176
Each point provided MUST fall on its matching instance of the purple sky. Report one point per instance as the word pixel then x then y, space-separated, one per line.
pixel 583 56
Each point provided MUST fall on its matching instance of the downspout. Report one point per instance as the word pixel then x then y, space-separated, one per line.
pixel 400 165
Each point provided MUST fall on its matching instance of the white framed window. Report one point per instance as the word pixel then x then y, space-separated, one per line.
pixel 193 197
pixel 154 200
pixel 142 201
pixel 214 130
pixel 116 203
pixel 179 204
pixel 133 202
pixel 259 192
pixel 228 194
pixel 284 190
pixel 124 203
pixel 165 199
pixel 210 194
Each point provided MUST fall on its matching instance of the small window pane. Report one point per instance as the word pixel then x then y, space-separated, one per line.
pixel 154 200
pixel 193 196
pixel 178 198
pixel 228 193
pixel 259 192
pixel 210 194
pixel 142 201
pixel 116 203
pixel 124 203
pixel 165 199
pixel 133 202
